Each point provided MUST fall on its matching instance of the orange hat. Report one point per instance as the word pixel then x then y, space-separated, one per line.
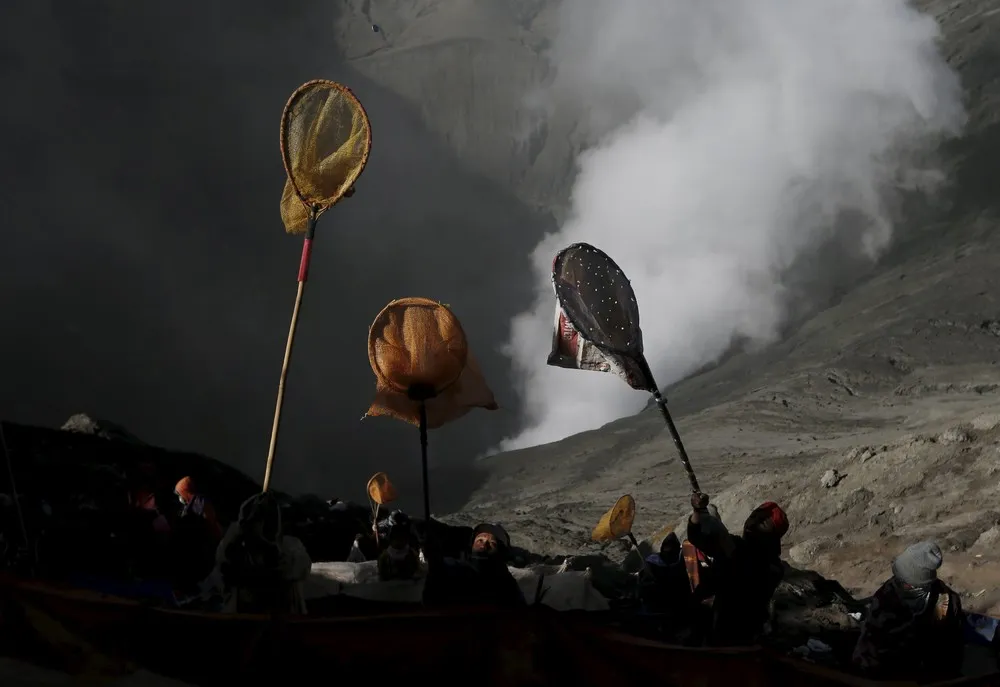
pixel 768 517
pixel 185 489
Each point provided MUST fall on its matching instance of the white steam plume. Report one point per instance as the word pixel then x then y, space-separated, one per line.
pixel 731 138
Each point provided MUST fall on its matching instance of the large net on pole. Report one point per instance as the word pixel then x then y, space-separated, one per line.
pixel 598 299
pixel 325 142
pixel 419 354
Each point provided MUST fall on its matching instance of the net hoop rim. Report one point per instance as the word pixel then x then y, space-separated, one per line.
pixel 373 480
pixel 557 262
pixel 320 208
pixel 412 300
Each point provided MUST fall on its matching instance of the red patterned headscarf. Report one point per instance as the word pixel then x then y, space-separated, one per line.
pixel 767 518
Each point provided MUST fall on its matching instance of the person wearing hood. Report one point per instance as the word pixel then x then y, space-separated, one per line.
pixel 262 568
pixel 195 534
pixel 746 569
pixel 482 578
pixel 914 622
pixel 665 587
pixel 194 503
pixel 399 561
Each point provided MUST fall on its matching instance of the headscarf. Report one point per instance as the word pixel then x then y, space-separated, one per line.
pixel 260 518
pixel 260 528
pixel 767 519
pixel 499 556
pixel 185 489
pixel 497 530
pixel 670 549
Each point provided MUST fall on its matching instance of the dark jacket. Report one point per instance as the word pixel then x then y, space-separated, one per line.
pixel 404 568
pixel 904 639
pixel 665 587
pixel 745 574
pixel 472 582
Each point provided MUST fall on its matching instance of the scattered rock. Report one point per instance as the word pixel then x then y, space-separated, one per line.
pixel 830 479
pixel 986 422
pixel 805 552
pixel 81 423
pixel 866 456
pixel 988 539
pixel 955 435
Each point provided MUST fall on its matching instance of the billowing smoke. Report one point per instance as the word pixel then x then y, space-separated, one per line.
pixel 731 139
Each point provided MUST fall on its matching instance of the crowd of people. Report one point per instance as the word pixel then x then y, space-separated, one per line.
pixel 709 586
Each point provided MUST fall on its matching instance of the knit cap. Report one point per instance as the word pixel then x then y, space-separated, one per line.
pixel 918 565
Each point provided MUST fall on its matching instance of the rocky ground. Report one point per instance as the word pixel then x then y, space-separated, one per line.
pixel 895 388
pixel 875 425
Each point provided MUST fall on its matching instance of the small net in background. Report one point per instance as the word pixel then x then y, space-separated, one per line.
pixel 617 522
pixel 598 299
pixel 417 342
pixel 325 142
pixel 380 489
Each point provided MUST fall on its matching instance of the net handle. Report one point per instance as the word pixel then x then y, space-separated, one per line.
pixel 286 115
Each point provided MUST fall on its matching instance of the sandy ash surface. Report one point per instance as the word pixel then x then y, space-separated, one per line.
pixel 896 387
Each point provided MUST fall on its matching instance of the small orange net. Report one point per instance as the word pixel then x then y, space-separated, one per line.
pixel 325 142
pixel 380 489
pixel 417 342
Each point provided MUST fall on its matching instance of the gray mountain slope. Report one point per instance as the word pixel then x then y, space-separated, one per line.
pixel 906 353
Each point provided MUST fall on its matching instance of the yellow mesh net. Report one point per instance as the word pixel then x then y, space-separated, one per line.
pixel 325 141
pixel 617 522
pixel 380 489
pixel 294 214
pixel 417 342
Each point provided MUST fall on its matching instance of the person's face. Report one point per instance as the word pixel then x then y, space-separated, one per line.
pixel 484 543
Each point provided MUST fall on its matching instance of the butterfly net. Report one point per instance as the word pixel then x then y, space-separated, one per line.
pixel 380 489
pixel 325 141
pixel 598 299
pixel 417 343
pixel 617 522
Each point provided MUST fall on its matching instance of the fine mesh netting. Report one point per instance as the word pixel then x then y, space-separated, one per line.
pixel 417 342
pixel 380 489
pixel 617 522
pixel 294 214
pixel 325 142
pixel 598 299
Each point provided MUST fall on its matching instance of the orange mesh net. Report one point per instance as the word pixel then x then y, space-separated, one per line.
pixel 417 342
pixel 380 489
pixel 617 522
pixel 325 141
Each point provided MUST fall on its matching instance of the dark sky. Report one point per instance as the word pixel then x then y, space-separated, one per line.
pixel 144 273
